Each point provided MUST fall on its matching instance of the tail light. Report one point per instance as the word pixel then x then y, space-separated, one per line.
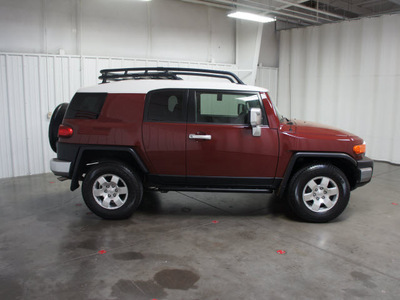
pixel 65 131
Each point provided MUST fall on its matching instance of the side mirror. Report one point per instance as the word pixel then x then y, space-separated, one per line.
pixel 256 120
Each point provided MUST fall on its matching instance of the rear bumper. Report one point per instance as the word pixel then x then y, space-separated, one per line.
pixel 365 170
pixel 60 167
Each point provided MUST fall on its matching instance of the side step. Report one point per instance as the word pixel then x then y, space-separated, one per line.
pixel 165 189
pixel 62 178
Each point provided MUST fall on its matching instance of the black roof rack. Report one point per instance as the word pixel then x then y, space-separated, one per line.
pixel 172 73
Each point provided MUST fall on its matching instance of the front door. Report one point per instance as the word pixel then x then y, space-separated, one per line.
pixel 221 150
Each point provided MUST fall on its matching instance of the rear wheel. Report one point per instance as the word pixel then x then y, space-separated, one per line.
pixel 112 190
pixel 318 193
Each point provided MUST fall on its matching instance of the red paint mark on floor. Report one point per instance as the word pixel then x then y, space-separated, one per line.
pixel 395 203
pixel 102 252
pixel 281 252
pixel 52 182
pixel 215 222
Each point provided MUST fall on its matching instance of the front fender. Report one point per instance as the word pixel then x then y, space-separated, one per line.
pixel 311 155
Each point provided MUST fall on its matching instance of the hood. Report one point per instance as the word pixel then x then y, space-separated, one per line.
pixel 312 128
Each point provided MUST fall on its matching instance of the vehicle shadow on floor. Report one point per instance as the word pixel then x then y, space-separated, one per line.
pixel 221 204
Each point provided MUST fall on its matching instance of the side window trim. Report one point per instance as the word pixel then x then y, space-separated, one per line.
pixel 192 105
pixel 184 105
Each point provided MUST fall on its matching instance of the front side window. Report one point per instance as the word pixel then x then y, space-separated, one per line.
pixel 166 106
pixel 225 108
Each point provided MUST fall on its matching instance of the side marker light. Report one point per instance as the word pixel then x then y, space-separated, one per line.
pixel 359 149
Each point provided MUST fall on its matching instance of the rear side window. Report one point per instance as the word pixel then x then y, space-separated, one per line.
pixel 166 106
pixel 86 106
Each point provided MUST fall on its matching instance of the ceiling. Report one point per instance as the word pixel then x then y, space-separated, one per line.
pixel 301 13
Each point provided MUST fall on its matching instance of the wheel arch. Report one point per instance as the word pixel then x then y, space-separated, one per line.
pixel 88 155
pixel 343 161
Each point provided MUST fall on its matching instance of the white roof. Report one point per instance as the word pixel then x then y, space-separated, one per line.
pixel 144 86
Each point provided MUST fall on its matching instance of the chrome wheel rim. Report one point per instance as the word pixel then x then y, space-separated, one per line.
pixel 110 191
pixel 320 194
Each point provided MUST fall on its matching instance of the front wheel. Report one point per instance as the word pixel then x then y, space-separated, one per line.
pixel 112 190
pixel 318 193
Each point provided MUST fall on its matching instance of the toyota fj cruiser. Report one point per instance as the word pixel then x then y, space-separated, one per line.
pixel 147 128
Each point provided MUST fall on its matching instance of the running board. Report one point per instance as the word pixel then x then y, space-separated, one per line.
pixel 62 178
pixel 165 189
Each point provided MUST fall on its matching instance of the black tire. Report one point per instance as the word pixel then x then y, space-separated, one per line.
pixel 318 193
pixel 111 190
pixel 55 121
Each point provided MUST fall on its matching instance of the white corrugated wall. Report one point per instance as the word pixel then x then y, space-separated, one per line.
pixel 267 77
pixel 32 85
pixel 346 75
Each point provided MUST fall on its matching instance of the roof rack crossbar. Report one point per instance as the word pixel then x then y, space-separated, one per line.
pixel 117 77
pixel 164 73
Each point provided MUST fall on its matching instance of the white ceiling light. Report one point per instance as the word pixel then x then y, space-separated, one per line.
pixel 251 17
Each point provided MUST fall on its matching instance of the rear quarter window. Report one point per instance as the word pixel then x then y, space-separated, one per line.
pixel 86 106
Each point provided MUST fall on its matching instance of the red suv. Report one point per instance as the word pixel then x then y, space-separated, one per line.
pixel 154 128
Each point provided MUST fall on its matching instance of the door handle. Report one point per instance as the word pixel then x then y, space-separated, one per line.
pixel 199 137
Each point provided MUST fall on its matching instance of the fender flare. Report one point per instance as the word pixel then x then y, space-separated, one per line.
pixel 297 155
pixel 75 176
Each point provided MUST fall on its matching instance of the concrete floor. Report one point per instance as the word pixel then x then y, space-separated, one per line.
pixel 197 246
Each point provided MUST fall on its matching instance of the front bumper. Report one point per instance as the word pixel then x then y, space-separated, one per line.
pixel 60 167
pixel 365 170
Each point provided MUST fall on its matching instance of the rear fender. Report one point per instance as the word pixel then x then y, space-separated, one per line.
pixel 95 154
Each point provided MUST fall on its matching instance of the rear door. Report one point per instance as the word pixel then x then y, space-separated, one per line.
pixel 221 150
pixel 164 134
